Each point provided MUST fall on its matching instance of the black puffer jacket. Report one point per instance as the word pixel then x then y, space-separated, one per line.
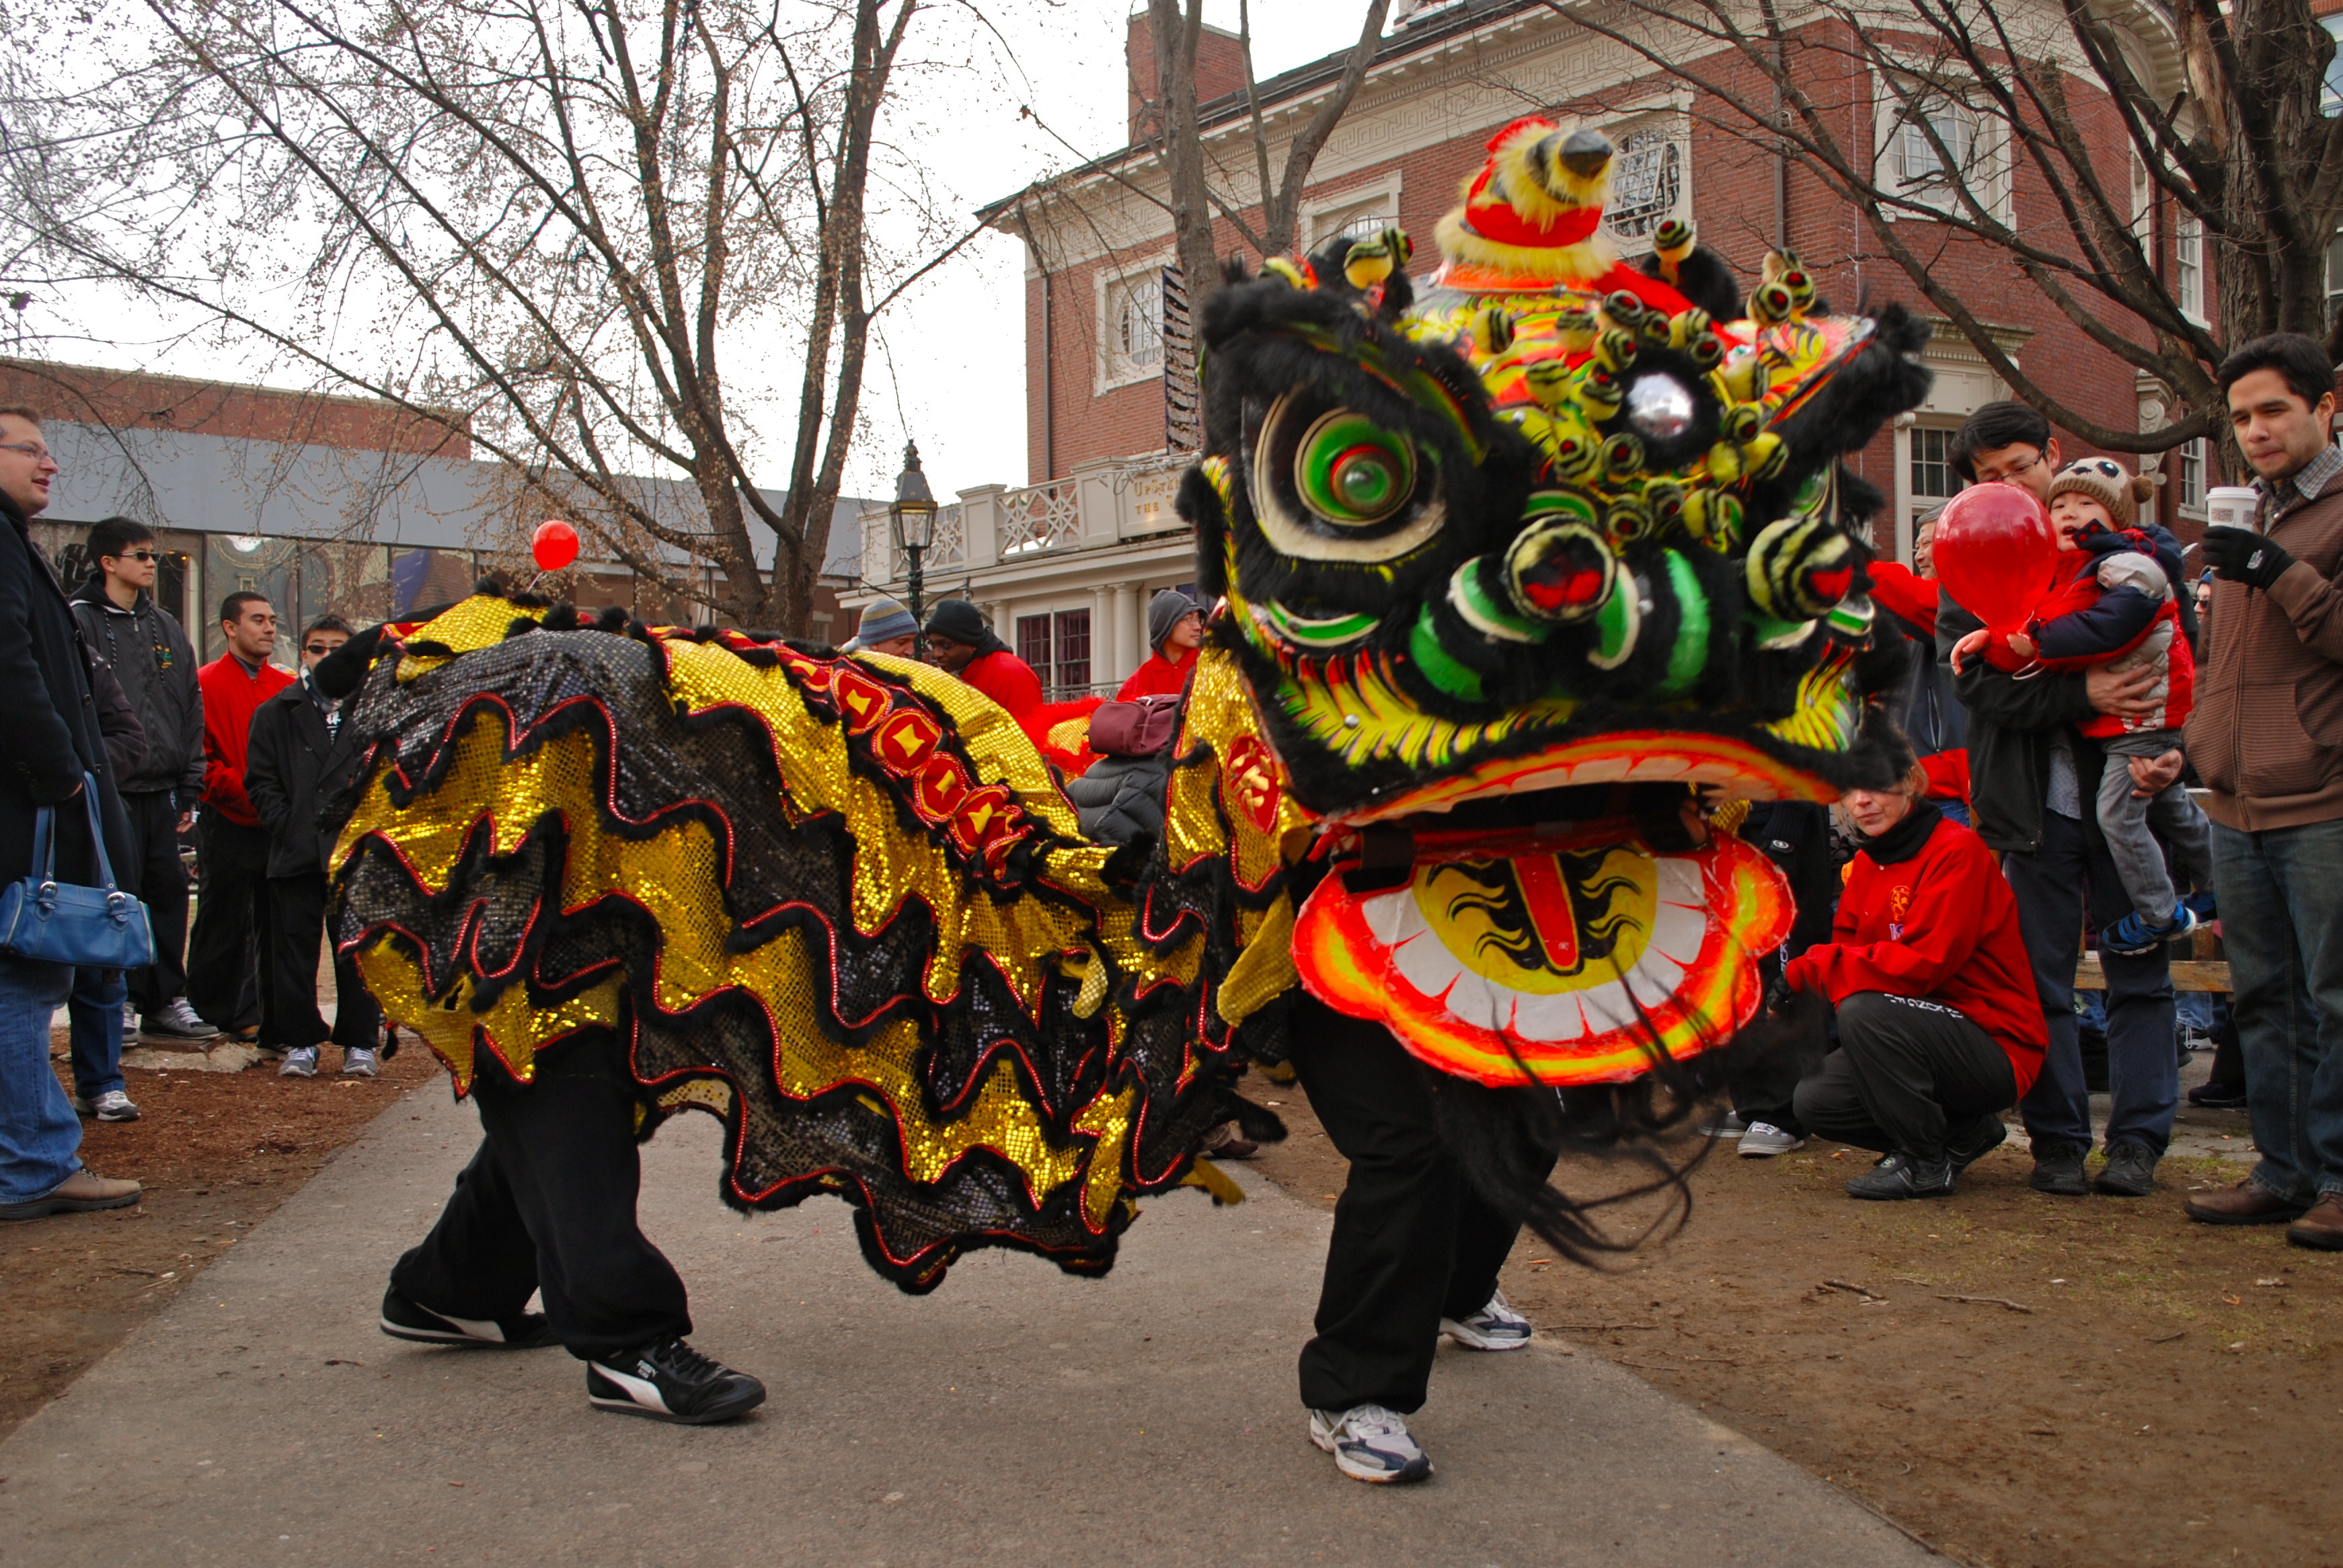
pixel 297 763
pixel 150 655
pixel 1121 799
pixel 53 731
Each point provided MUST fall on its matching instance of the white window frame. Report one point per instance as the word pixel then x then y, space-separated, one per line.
pixel 1988 180
pixel 1322 215
pixel 2186 453
pixel 1675 127
pixel 2188 266
pixel 1110 287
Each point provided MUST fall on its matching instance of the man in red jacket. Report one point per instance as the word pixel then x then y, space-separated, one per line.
pixel 1940 1026
pixel 962 643
pixel 231 845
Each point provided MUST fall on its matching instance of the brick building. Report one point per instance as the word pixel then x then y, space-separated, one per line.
pixel 1091 533
pixel 325 504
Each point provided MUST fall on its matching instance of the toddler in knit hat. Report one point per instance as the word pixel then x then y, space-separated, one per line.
pixel 2114 605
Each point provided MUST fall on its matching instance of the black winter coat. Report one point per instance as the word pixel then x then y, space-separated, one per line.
pixel 117 725
pixel 2011 724
pixel 53 729
pixel 150 655
pixel 1121 800
pixel 293 767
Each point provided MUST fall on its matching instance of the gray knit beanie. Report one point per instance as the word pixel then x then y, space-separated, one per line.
pixel 1166 610
pixel 882 620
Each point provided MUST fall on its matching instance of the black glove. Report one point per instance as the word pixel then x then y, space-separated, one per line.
pixel 2243 555
pixel 1778 994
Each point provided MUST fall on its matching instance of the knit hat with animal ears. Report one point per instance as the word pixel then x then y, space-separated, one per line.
pixel 2110 484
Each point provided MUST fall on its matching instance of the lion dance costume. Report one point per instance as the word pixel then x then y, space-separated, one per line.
pixel 1509 572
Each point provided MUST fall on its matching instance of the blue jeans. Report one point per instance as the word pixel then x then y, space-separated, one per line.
pixel 1955 811
pixel 2281 893
pixel 2143 1070
pixel 96 1011
pixel 40 1136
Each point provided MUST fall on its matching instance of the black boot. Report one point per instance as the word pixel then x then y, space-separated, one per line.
pixel 2058 1169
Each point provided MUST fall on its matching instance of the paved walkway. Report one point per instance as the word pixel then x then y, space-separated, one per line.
pixel 1016 1416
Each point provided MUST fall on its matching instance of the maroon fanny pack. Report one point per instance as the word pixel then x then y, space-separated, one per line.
pixel 1139 728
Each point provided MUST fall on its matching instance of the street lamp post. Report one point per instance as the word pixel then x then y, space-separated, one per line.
pixel 913 517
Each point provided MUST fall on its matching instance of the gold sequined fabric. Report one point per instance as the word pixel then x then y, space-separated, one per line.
pixel 839 903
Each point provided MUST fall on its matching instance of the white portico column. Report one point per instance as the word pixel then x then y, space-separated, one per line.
pixel 1129 630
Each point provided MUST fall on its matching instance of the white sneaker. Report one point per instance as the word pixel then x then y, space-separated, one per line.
pixel 358 1061
pixel 1764 1141
pixel 1496 1327
pixel 301 1062
pixel 1727 1125
pixel 1370 1443
pixel 112 1106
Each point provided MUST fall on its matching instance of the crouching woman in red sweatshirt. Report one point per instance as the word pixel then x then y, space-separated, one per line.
pixel 1940 1028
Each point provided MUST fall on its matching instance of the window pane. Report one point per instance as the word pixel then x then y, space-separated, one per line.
pixel 1645 181
pixel 1138 322
pixel 352 581
pixel 1033 643
pixel 1073 653
pixel 1932 468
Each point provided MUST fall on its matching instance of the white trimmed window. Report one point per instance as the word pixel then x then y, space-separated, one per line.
pixel 1363 222
pixel 2191 467
pixel 2188 266
pixel 1131 328
pixel 1649 182
pixel 1934 149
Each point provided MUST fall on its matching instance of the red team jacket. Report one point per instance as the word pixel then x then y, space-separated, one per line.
pixel 230 699
pixel 1941 925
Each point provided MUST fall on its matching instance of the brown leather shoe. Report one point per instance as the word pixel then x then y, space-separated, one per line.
pixel 79 1194
pixel 2321 1225
pixel 2243 1204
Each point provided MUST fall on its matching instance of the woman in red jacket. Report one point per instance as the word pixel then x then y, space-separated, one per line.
pixel 1940 1026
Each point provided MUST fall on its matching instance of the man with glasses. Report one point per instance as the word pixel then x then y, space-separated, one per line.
pixel 2033 777
pixel 301 756
pixel 231 937
pixel 54 754
pixel 148 652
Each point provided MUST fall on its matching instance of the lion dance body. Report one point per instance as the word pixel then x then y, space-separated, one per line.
pixel 1519 577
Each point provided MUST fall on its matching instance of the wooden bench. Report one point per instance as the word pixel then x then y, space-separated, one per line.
pixel 2187 974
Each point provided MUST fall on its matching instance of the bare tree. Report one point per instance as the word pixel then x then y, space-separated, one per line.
pixel 2052 98
pixel 535 223
pixel 1175 134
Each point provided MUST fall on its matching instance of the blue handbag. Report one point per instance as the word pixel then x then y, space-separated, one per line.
pixel 56 922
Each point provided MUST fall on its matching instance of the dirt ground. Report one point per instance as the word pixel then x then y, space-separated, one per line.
pixel 2170 1392
pixel 217 1151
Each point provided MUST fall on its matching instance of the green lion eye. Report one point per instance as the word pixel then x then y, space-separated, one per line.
pixel 1352 471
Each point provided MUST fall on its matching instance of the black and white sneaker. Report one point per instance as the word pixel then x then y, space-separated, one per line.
pixel 1370 1443
pixel 403 1320
pixel 667 1380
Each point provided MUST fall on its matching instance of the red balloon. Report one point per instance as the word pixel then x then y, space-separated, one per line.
pixel 554 544
pixel 1996 554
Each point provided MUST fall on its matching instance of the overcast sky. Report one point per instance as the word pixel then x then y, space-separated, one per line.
pixel 958 348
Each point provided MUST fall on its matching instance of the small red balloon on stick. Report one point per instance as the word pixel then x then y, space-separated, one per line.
pixel 554 544
pixel 1996 554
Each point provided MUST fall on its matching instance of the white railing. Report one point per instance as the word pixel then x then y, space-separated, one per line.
pixel 1041 517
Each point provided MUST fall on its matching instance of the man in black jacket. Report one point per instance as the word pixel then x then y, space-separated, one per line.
pixel 2034 777
pixel 54 754
pixel 299 757
pixel 149 654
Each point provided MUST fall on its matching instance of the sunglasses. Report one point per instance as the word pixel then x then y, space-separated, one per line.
pixel 321 649
pixel 139 556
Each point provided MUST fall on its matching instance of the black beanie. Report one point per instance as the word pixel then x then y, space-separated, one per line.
pixel 964 622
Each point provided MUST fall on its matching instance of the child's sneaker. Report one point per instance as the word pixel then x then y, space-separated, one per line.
pixel 2133 936
pixel 2206 910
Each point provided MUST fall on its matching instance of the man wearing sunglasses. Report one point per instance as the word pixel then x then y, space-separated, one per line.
pixel 150 655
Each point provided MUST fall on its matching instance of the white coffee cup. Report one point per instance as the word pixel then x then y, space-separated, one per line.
pixel 2231 506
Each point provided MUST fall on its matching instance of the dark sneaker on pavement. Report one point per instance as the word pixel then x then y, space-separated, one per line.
pixel 2243 1204
pixel 667 1380
pixel 2130 1169
pixel 2058 1171
pixel 1496 1327
pixel 403 1320
pixel 1902 1176
pixel 1370 1443
pixel 2321 1226
pixel 175 1021
pixel 1973 1145
pixel 82 1192
pixel 2211 1096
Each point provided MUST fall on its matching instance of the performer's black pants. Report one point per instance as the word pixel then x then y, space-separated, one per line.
pixel 231 936
pixel 549 1201
pixel 1909 1074
pixel 160 879
pixel 1413 1242
pixel 297 923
